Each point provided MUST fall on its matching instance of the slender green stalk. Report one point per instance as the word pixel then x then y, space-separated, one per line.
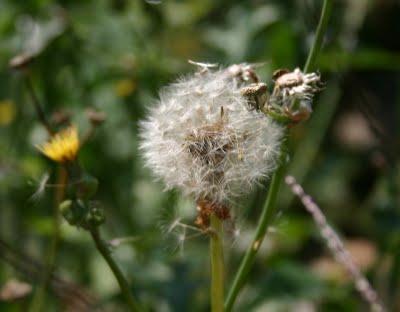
pixel 217 265
pixel 123 284
pixel 270 207
pixel 318 126
pixel 319 35
pixel 38 108
pixel 266 217
pixel 40 293
pixel 52 250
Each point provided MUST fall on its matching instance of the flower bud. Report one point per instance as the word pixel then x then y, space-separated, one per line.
pixel 82 214
pixel 95 216
pixel 74 211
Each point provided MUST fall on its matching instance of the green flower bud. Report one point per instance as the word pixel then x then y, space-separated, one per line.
pixel 65 207
pixel 96 216
pixel 74 211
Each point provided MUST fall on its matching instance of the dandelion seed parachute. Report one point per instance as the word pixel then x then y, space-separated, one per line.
pixel 202 138
pixel 41 187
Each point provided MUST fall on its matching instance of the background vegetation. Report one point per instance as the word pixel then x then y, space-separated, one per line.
pixel 114 56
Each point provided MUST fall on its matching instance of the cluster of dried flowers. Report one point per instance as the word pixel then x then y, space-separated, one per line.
pixel 211 136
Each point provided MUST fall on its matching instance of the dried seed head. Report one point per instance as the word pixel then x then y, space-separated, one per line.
pixel 257 95
pixel 243 72
pixel 202 138
pixel 293 94
pixel 279 72
pixel 206 209
pixel 297 83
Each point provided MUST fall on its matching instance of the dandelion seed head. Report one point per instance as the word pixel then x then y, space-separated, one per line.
pixel 202 138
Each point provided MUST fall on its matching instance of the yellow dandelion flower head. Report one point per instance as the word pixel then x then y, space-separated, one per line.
pixel 63 146
pixel 125 87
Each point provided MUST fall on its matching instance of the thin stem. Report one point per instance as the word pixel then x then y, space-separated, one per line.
pixel 217 264
pixel 337 247
pixel 266 217
pixel 51 253
pixel 319 35
pixel 32 269
pixel 304 156
pixel 269 208
pixel 102 247
pixel 36 104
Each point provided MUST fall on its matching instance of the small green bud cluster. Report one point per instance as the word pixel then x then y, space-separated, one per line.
pixel 79 210
pixel 81 213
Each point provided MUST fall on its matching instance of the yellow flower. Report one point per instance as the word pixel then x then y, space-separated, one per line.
pixel 63 146
pixel 125 87
pixel 7 112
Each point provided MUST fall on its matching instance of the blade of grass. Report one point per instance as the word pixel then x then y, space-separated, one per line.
pixel 269 208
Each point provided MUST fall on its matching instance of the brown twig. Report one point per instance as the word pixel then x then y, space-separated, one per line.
pixel 337 247
pixel 74 295
pixel 36 104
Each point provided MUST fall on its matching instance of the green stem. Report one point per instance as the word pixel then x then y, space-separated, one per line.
pixel 270 206
pixel 51 253
pixel 217 265
pixel 123 284
pixel 319 35
pixel 38 108
pixel 266 217
pixel 38 298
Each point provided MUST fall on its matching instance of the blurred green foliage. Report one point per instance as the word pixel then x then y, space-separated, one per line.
pixel 114 56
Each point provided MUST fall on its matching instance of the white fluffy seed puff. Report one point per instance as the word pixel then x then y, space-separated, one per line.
pixel 203 138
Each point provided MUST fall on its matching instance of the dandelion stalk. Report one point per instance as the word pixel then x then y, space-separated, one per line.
pixel 217 264
pixel 269 208
pixel 37 301
pixel 217 147
pixel 63 148
pixel 267 215
pixel 104 250
pixel 319 35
